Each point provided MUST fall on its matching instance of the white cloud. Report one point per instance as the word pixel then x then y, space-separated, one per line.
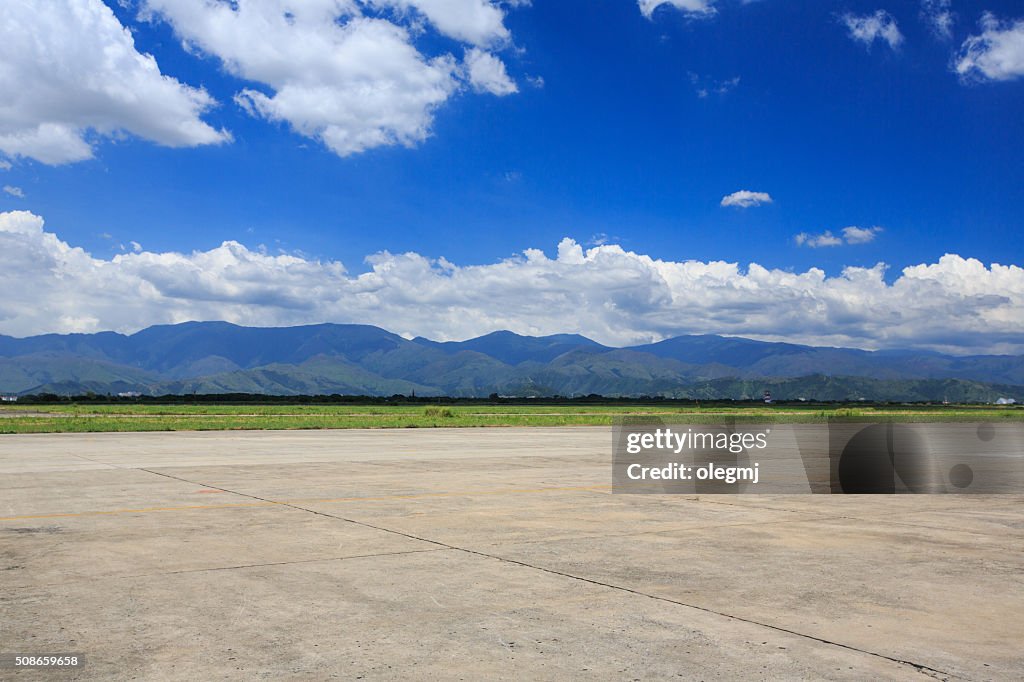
pixel 600 239
pixel 939 17
pixel 850 235
pixel 727 85
pixel 334 74
pixel 816 241
pixel 14 191
pixel 860 235
pixel 478 22
pixel 136 247
pixel 692 7
pixel 705 86
pixel 5 165
pixel 69 72
pixel 487 73
pixel 871 27
pixel 996 54
pixel 745 199
pixel 615 296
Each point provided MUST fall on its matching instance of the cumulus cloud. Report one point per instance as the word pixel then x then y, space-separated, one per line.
pixel 337 74
pixel 5 165
pixel 996 54
pixel 816 241
pixel 70 72
pixel 939 17
pixel 745 199
pixel 487 73
pixel 691 7
pixel 613 295
pixel 850 235
pixel 14 191
pixel 478 22
pixel 860 235
pixel 871 27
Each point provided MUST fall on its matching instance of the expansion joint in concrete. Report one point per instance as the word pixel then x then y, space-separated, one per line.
pixel 919 667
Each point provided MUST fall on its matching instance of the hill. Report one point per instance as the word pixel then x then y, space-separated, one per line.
pixel 219 357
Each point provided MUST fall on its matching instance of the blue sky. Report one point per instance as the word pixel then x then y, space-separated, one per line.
pixel 624 129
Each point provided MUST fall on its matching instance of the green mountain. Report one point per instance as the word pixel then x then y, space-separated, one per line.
pixel 218 357
pixel 65 374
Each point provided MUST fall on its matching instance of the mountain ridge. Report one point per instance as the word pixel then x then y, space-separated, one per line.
pixel 220 357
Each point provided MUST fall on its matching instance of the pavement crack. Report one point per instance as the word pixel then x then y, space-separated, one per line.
pixel 96 461
pixel 305 509
pixel 919 667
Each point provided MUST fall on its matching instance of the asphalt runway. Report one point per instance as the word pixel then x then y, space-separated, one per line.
pixel 480 554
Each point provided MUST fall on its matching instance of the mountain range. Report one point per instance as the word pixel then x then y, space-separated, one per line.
pixel 219 357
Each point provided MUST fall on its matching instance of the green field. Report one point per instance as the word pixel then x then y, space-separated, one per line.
pixel 80 418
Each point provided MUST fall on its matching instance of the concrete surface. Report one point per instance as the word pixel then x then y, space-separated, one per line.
pixel 480 554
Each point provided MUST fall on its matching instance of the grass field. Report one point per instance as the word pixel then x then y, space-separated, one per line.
pixel 82 418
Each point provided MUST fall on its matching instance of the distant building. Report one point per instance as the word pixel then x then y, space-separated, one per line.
pixel 8 398
pixel 768 396
pixel 1006 401
pixel 129 394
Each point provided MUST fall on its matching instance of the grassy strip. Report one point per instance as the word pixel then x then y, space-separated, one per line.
pixel 271 422
pixel 89 409
pixel 363 410
pixel 189 419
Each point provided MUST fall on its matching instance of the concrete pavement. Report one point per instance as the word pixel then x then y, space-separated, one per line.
pixel 480 554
